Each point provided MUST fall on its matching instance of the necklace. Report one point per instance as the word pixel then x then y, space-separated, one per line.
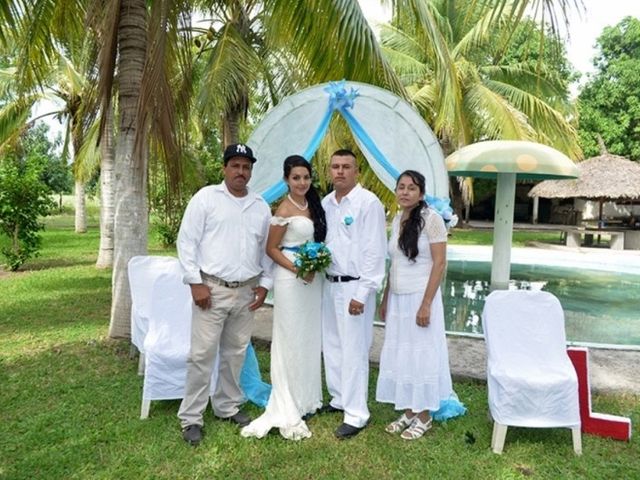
pixel 298 206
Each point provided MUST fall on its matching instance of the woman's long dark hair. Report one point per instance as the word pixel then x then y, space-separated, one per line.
pixel 410 229
pixel 313 199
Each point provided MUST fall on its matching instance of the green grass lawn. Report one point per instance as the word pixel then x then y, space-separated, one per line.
pixel 463 236
pixel 70 401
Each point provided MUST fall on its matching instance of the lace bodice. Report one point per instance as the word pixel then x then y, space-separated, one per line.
pixel 299 230
pixel 411 276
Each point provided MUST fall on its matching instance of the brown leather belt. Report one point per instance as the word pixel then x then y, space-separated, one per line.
pixel 224 283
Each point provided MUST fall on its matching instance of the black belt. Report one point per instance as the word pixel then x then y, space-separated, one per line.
pixel 340 278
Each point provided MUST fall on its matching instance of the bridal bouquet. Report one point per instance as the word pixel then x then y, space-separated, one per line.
pixel 312 257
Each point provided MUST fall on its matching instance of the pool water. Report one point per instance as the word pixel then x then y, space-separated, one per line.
pixel 601 307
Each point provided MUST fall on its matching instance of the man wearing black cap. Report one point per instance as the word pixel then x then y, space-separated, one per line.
pixel 221 246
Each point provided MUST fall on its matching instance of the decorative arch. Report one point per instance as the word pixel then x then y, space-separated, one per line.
pixel 390 133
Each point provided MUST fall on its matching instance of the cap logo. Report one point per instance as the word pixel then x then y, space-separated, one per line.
pixel 241 149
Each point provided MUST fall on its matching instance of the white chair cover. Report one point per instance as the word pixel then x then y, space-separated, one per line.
pixel 531 380
pixel 142 272
pixel 161 325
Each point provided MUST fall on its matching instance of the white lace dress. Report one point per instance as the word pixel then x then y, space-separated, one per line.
pixel 414 363
pixel 295 345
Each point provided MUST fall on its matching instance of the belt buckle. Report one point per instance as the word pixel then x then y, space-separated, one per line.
pixel 232 284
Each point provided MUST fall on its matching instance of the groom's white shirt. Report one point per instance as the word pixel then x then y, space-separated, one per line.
pixel 356 238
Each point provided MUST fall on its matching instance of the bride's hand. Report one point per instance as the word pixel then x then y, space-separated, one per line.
pixel 308 278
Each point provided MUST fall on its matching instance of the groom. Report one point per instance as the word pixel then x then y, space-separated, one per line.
pixel 356 236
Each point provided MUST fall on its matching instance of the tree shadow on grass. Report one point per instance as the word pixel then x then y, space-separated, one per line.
pixel 61 262
pixel 46 305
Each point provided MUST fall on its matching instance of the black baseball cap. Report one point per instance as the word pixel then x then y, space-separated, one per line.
pixel 238 150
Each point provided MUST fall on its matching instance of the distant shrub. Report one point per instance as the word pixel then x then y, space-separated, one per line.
pixel 24 199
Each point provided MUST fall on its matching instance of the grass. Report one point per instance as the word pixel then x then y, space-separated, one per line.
pixel 70 402
pixel 461 236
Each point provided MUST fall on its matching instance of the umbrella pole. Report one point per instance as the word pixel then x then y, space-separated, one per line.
pixel 503 231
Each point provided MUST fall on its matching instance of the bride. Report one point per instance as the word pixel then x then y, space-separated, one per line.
pixel 295 345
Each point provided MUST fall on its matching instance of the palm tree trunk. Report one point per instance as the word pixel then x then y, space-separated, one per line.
pixel 231 125
pixel 457 199
pixel 130 220
pixel 107 190
pixel 81 208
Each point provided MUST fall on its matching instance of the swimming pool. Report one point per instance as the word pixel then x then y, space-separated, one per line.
pixel 599 291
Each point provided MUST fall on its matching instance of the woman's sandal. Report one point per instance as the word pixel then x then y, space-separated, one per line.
pixel 417 429
pixel 399 425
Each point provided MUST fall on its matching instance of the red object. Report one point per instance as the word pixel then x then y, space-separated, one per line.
pixel 601 424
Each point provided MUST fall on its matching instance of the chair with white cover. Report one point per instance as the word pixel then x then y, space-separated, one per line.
pixel 142 271
pixel 161 326
pixel 531 380
pixel 161 330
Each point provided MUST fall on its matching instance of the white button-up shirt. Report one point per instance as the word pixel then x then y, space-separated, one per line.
pixel 225 236
pixel 357 239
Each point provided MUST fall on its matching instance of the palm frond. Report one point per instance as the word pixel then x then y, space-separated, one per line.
pixel 554 12
pixel 334 39
pixel 498 118
pixel 408 68
pixel 480 32
pixel 425 98
pixel 13 118
pixel 40 26
pixel 164 102
pixel 103 19
pixel 543 81
pixel 231 67
pixel 9 18
pixel 550 125
pixel 397 40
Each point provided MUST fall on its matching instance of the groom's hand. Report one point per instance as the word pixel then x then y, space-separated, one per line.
pixel 355 307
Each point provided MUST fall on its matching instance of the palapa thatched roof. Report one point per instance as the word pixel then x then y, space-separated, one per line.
pixel 606 176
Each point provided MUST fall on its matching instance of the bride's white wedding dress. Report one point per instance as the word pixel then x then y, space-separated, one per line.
pixel 295 344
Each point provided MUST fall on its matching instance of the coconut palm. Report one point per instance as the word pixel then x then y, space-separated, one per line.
pixel 451 61
pixel 232 65
pixel 68 87
pixel 328 39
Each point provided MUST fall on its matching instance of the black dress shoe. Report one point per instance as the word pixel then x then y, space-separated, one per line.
pixel 307 416
pixel 192 434
pixel 239 418
pixel 328 408
pixel 345 431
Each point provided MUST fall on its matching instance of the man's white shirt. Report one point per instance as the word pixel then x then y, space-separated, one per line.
pixel 225 236
pixel 357 238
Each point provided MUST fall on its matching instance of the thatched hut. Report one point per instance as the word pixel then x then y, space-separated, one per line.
pixel 604 178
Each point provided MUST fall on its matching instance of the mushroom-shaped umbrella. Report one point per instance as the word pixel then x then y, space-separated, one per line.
pixel 506 160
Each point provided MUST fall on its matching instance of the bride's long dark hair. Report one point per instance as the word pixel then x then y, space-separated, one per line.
pixel 410 229
pixel 313 199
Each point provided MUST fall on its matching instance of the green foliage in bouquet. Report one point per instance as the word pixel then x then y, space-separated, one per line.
pixel 312 257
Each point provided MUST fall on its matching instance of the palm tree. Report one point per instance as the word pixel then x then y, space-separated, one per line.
pixel 302 35
pixel 451 61
pixel 328 39
pixel 68 85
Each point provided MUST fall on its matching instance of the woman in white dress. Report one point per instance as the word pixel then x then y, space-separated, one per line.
pixel 295 344
pixel 414 363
